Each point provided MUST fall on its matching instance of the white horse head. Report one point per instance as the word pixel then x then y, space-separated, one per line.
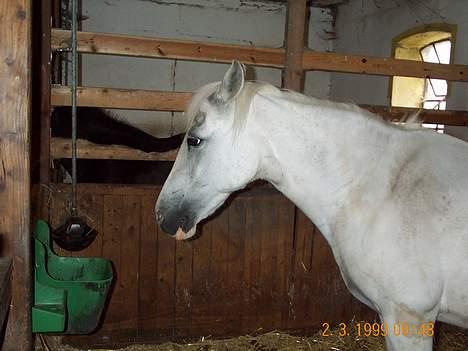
pixel 215 159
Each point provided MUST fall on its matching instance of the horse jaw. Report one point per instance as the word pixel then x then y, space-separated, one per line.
pixel 181 235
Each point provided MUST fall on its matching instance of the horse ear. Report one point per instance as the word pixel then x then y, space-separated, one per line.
pixel 232 83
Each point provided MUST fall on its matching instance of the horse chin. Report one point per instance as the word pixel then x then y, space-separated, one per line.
pixel 181 235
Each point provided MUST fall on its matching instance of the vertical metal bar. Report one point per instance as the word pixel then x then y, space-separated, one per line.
pixel 73 96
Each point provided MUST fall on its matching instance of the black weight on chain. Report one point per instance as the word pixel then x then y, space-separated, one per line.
pixel 75 234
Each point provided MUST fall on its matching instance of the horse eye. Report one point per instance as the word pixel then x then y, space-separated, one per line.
pixel 193 141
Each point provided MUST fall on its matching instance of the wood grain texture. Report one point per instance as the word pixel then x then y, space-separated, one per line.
pixel 243 274
pixel 5 288
pixel 61 148
pixel 44 89
pixel 124 45
pixel 122 98
pixel 112 44
pixel 15 99
pixel 295 35
pixel 177 101
pixel 362 64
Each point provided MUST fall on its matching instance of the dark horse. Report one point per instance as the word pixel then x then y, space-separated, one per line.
pixel 100 127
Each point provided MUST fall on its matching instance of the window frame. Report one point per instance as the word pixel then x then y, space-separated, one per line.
pixel 449 29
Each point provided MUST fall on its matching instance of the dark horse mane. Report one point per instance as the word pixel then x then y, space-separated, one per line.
pixel 101 127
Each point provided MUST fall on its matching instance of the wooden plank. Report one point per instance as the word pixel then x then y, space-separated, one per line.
pixel 122 98
pixel 394 114
pixel 5 288
pixel 268 311
pixel 234 265
pixel 109 189
pixel 128 275
pixel 111 44
pixel 148 268
pixel 166 286
pixel 206 287
pixel 219 297
pixel 183 288
pixel 361 64
pixel 124 45
pixel 15 98
pixel 252 265
pixel 286 217
pixel 177 101
pixel 326 3
pixel 44 90
pixel 120 245
pixel 295 33
pixel 300 286
pixel 61 148
pixel 145 190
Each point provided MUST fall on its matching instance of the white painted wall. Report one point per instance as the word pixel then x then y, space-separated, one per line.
pixel 242 22
pixel 368 27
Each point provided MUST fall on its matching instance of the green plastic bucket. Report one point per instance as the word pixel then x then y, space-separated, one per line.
pixel 80 284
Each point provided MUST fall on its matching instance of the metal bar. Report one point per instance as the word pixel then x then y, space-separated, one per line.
pixel 74 109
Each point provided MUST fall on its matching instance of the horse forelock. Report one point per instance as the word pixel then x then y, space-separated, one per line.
pixel 197 98
pixel 242 103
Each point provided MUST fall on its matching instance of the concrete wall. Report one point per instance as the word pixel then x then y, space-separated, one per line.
pixel 259 23
pixel 368 27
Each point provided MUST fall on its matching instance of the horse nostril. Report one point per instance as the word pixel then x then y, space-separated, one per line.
pixel 159 217
pixel 183 221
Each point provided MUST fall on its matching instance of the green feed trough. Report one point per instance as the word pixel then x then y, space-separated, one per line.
pixel 70 292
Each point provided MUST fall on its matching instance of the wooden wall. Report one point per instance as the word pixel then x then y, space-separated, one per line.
pixel 254 268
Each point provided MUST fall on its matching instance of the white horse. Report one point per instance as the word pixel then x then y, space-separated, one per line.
pixel 392 202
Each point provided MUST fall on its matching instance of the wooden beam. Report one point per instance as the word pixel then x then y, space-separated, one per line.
pixel 5 289
pixel 327 3
pixel 395 114
pixel 295 34
pixel 44 90
pixel 293 78
pixel 61 148
pixel 177 101
pixel 122 98
pixel 110 44
pixel 327 61
pixel 15 101
pixel 124 45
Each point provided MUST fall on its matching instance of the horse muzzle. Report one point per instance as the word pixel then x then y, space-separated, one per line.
pixel 180 224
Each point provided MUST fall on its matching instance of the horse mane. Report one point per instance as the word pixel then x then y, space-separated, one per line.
pixel 243 104
pixel 409 121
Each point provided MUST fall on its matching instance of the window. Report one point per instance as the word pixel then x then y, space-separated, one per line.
pixel 429 43
pixel 435 90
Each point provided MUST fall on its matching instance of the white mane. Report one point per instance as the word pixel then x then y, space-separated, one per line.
pixel 251 88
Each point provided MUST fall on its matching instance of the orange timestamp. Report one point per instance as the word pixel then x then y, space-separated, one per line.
pixel 380 329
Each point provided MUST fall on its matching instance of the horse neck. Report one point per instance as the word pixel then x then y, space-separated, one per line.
pixel 318 153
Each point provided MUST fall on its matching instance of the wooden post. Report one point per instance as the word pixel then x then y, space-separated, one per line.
pixel 15 92
pixel 293 78
pixel 295 35
pixel 44 90
pixel 41 81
